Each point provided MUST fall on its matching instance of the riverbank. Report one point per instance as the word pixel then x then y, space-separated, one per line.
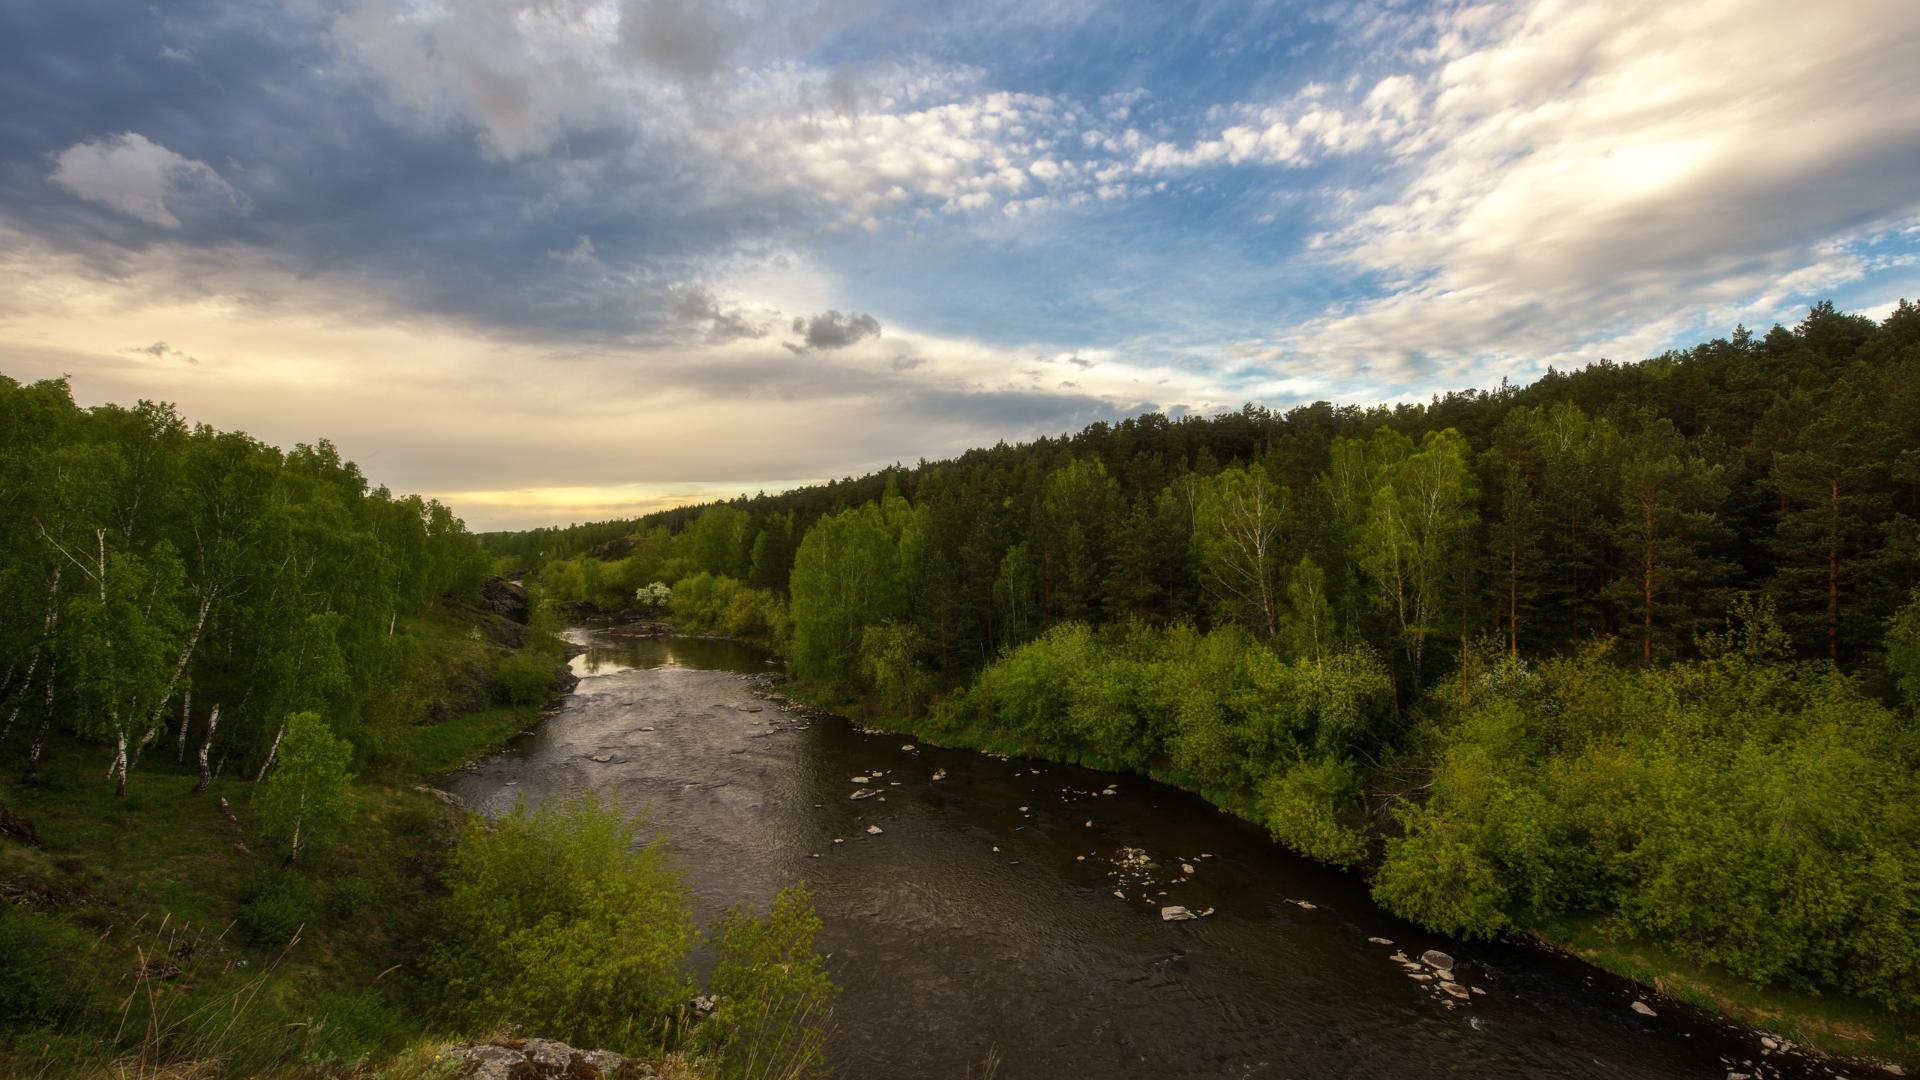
pixel 1844 1031
pixel 153 932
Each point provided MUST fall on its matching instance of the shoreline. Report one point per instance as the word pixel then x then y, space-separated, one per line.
pixel 1818 1035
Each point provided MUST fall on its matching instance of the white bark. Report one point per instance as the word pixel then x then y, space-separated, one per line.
pixel 173 679
pixel 46 646
pixel 119 768
pixel 186 707
pixel 206 746
pixel 271 751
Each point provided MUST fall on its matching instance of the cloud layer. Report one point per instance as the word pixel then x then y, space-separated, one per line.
pixel 582 219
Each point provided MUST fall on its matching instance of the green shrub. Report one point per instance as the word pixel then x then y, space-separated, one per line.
pixel 276 902
pixel 308 798
pixel 559 921
pixel 525 679
pixel 41 963
pixel 772 993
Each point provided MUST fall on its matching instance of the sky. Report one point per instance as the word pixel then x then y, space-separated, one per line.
pixel 560 260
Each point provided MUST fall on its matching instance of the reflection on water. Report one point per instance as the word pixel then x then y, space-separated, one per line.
pixel 609 652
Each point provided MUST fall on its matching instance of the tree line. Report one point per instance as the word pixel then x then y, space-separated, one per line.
pixel 1506 651
pixel 173 589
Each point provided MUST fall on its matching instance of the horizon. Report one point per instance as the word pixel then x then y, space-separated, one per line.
pixel 583 261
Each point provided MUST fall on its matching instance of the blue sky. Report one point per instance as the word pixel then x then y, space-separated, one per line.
pixel 562 259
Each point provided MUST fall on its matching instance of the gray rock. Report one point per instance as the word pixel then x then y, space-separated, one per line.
pixel 543 1059
pixel 1643 1009
pixel 1173 913
pixel 1437 960
pixel 503 597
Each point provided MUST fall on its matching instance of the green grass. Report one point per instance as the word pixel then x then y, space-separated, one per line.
pixel 428 750
pixel 1829 1022
pixel 171 942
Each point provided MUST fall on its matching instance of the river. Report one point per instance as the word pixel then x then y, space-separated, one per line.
pixel 1010 912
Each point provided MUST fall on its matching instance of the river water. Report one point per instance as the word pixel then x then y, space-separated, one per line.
pixel 1010 912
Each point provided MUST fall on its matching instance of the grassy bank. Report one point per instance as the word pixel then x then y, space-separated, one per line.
pixel 153 934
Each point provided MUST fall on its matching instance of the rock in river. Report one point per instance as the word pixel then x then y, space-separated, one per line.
pixel 1437 960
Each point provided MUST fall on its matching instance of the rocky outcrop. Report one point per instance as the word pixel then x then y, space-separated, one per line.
pixel 503 597
pixel 544 1059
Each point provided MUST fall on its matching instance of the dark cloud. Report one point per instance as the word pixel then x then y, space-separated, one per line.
pixel 697 307
pixel 833 330
pixel 308 166
pixel 160 350
pixel 685 39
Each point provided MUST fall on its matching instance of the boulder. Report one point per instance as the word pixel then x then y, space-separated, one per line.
pixel 1643 1009
pixel 544 1059
pixel 504 598
pixel 1437 960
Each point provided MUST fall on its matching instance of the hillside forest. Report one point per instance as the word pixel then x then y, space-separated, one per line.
pixel 1634 647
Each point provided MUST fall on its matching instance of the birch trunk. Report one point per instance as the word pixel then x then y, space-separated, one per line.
pixel 271 751
pixel 186 705
pixel 179 665
pixel 46 711
pixel 119 768
pixel 46 646
pixel 26 682
pixel 206 746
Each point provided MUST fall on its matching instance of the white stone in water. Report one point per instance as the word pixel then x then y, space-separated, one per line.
pixel 1089 823
pixel 838 840
pixel 859 779
pixel 1186 868
pixel 1079 858
pixel 873 830
pixel 939 774
pixel 1119 894
pixel 1644 1009
pixel 909 748
pixel 1176 913
pixel 1437 960
pixel 1380 941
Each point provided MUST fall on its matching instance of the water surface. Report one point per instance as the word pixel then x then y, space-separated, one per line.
pixel 1011 909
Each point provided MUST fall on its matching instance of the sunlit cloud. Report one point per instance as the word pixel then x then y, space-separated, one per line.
pixel 576 258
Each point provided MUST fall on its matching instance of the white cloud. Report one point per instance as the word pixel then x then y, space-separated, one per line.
pixel 138 177
pixel 1584 176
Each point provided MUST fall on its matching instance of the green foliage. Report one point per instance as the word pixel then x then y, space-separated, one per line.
pixel 1903 651
pixel 704 604
pixel 854 569
pixel 773 997
pixel 559 920
pixel 307 800
pixel 42 970
pixel 526 678
pixel 275 903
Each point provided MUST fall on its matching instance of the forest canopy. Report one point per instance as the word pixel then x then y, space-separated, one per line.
pixel 1638 642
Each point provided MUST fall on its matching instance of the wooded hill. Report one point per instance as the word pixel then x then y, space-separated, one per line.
pixel 1638 643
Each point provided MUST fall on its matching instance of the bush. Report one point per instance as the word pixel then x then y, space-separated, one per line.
pixel 772 993
pixel 41 964
pixel 525 679
pixel 308 798
pixel 275 904
pixel 558 921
